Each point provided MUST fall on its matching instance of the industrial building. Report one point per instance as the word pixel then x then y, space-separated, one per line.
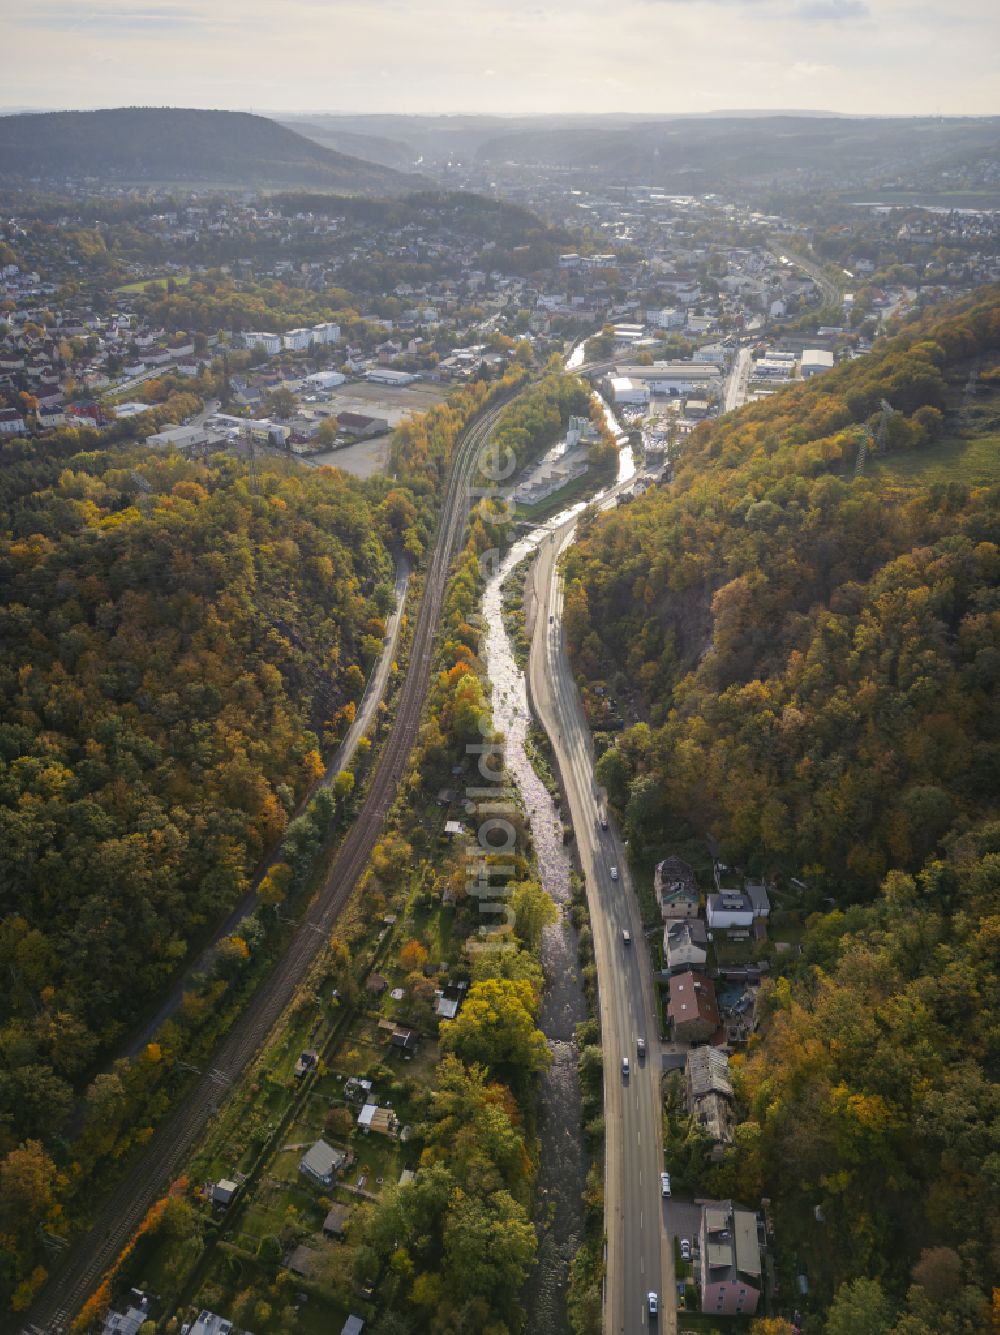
pixel 675 378
pixel 627 392
pixel 814 361
pixel 382 375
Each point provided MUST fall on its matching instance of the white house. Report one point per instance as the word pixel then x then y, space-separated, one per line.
pixel 682 944
pixel 11 422
pixel 326 379
pixel 729 908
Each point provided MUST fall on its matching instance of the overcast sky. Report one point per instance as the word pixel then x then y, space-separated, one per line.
pixel 893 56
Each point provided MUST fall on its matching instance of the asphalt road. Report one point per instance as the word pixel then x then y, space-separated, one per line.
pixel 639 1260
pixel 736 386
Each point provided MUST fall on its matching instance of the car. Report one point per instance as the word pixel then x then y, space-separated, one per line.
pixel 640 1047
pixel 685 1249
pixel 624 1068
pixel 653 1301
pixel 626 937
pixel 551 619
pixel 614 873
pixel 665 1184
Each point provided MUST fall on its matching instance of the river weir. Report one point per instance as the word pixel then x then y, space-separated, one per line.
pixel 559 1209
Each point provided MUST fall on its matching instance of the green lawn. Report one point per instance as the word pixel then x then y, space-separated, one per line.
pixel 147 284
pixel 974 462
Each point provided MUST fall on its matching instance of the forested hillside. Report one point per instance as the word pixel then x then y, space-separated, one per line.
pixel 156 144
pixel 171 645
pixel 818 658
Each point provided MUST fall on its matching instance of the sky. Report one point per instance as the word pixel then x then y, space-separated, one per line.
pixel 452 56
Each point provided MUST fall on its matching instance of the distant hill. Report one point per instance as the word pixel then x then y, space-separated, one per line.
pixel 369 147
pixel 714 152
pixel 136 145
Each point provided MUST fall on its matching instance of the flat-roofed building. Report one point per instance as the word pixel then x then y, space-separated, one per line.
pixel 675 377
pixel 815 361
pixel 627 392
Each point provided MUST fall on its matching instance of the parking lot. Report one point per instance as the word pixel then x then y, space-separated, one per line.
pixel 368 457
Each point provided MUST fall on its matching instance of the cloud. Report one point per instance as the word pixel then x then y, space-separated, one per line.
pixel 833 11
pixel 114 19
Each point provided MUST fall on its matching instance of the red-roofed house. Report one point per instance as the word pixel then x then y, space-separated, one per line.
pixel 692 1008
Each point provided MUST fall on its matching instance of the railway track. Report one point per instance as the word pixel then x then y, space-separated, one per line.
pixel 81 1269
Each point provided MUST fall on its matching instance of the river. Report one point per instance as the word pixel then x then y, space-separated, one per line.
pixel 559 1209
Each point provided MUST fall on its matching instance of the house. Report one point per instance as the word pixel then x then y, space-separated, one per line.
pixel 335 1223
pixel 446 1007
pixel 730 1260
pixel 305 1062
pixel 11 423
pixel 684 941
pixel 208 1323
pixel 709 1092
pixel 222 1192
pixel 323 1162
pixel 729 909
pixel 376 984
pixel 756 892
pixel 302 1261
pixel 676 888
pixel 403 1040
pixel 354 1325
pixel 381 1120
pixel 128 1322
pixel 357 1089
pixel 692 1007
pixel 406 1041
